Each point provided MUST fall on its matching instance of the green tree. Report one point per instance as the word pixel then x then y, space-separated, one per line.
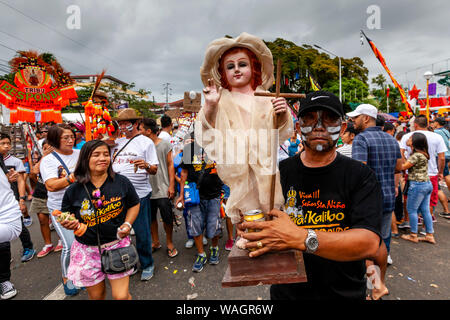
pixel 8 77
pixel 298 62
pixel 379 80
pixel 354 91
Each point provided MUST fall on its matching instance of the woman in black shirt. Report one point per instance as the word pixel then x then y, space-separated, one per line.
pixel 115 207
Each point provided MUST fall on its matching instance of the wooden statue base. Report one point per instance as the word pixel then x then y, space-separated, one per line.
pixel 270 268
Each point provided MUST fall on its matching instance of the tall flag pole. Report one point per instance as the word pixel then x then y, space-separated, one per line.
pixel 396 84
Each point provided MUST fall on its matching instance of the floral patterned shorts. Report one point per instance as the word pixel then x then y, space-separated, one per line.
pixel 85 268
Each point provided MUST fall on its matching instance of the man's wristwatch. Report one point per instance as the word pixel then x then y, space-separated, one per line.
pixel 23 198
pixel 311 241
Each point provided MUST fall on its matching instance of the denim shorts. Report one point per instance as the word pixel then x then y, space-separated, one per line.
pixel 204 217
pixel 446 171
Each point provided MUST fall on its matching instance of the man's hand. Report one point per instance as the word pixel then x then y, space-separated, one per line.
pixel 12 175
pixel 22 206
pixel 47 150
pixel 171 192
pixel 180 200
pixel 275 235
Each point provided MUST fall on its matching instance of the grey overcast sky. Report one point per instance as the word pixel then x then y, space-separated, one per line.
pixel 151 42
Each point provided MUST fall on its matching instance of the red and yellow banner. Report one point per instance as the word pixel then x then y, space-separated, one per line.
pixel 34 90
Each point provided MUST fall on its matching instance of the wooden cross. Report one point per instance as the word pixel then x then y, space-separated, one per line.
pixel 275 118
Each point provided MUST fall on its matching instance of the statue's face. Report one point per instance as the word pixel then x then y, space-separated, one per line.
pixel 238 69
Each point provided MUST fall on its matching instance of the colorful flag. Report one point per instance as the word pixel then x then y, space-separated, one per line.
pixel 396 84
pixel 432 89
pixel 314 85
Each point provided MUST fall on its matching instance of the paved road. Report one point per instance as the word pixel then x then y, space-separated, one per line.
pixel 419 272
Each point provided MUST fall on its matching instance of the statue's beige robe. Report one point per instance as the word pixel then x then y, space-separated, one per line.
pixel 244 144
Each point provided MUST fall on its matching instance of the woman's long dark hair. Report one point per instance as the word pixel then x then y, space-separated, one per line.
pixel 82 172
pixel 420 144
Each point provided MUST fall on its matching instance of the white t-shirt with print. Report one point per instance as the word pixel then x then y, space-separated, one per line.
pixel 51 168
pixel 141 148
pixel 9 206
pixel 436 145
pixel 13 162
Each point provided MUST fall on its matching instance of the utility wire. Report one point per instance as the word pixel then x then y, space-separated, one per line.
pixel 45 50
pixel 58 32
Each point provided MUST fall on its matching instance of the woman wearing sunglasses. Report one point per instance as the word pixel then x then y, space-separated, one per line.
pixel 57 173
pixel 114 207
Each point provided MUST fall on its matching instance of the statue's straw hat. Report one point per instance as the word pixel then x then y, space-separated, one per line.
pixel 210 67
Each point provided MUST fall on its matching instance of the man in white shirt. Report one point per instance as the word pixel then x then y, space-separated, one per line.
pixel 436 149
pixel 166 128
pixel 135 157
pixel 10 229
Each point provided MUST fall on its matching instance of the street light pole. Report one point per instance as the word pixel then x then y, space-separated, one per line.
pixel 340 70
pixel 427 75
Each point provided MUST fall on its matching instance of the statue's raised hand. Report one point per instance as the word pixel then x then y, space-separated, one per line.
pixel 212 95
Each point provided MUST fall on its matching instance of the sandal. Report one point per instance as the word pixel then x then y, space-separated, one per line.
pixel 409 237
pixel 156 248
pixel 428 238
pixel 172 253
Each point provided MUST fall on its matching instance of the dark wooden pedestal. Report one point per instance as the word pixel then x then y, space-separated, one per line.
pixel 270 268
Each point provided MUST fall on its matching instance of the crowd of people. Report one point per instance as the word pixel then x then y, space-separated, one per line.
pixel 137 175
pixel 345 186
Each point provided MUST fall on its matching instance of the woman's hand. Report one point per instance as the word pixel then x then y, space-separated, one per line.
pixel 124 231
pixel 70 224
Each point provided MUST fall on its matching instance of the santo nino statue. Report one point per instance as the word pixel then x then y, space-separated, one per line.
pixel 236 128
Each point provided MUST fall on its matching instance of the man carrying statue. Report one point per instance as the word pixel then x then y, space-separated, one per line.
pixel 332 204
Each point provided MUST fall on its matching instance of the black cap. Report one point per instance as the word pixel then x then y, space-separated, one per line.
pixel 323 99
pixel 441 121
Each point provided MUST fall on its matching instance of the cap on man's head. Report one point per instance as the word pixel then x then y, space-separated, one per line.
pixel 366 109
pixel 441 121
pixel 321 99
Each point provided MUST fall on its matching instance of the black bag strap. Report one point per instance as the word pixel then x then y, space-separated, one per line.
pixel 2 165
pixel 281 146
pixel 61 161
pixel 96 220
pixel 115 156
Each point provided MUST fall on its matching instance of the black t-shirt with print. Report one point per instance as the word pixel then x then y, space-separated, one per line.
pixel 342 195
pixel 195 160
pixel 118 195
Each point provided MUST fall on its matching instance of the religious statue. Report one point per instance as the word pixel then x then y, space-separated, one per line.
pixel 236 127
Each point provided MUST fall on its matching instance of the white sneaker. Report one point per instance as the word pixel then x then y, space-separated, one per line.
pixel 189 244
pixel 389 260
pixel 7 290
pixel 205 241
